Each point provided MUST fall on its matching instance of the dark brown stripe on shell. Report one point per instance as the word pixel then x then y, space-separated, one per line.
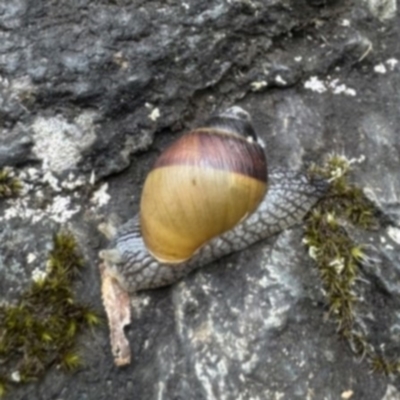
pixel 210 148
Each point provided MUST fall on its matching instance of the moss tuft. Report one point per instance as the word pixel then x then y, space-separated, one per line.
pixel 3 388
pixel 384 365
pixel 41 330
pixel 9 186
pixel 70 361
pixel 338 258
pixel 344 199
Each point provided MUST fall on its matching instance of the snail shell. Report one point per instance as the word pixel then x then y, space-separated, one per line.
pixel 202 186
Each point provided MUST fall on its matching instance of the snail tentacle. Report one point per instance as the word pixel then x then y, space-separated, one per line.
pixel 290 197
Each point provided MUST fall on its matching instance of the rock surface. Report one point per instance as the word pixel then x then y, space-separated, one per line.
pixel 85 86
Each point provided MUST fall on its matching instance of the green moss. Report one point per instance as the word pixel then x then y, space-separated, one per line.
pixel 71 361
pixel 384 365
pixel 345 199
pixel 9 186
pixel 2 387
pixel 41 330
pixel 338 258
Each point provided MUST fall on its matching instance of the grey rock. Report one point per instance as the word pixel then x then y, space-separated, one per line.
pixel 391 394
pixel 383 9
pixel 15 151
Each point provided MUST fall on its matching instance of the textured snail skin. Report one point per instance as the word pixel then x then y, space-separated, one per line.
pixel 291 195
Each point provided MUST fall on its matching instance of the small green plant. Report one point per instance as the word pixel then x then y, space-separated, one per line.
pixel 9 185
pixel 383 365
pixel 42 328
pixel 338 258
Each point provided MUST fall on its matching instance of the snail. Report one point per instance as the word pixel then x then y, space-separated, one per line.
pixel 207 196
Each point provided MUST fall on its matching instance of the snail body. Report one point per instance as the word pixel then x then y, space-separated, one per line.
pixel 240 211
pixel 290 196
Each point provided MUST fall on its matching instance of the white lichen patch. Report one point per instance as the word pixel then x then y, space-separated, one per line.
pixel 59 143
pixel 34 180
pixel 18 208
pixel 38 275
pixel 61 209
pixel 333 86
pixel 58 198
pixel 394 234
pixel 315 84
pixel 380 68
pixel 72 182
pixel 388 66
pixel 30 258
pixel 340 88
pixel 16 376
pixel 52 180
pixel 392 63
pixel 100 197
pixel 155 114
pixel 355 160
pixel 280 81
pixel 258 85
